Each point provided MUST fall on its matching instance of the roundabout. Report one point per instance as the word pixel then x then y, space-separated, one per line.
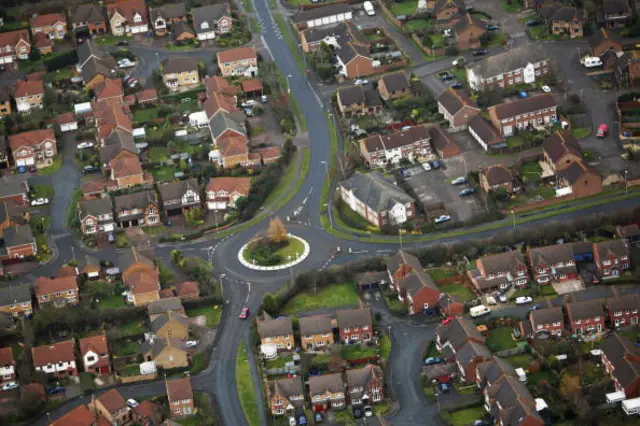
pixel 274 251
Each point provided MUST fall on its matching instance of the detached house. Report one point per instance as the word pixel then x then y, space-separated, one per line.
pixel 180 73
pixel 536 111
pixel 457 108
pixel 212 20
pixel 285 396
pixel 327 391
pixel 53 25
pixel 500 271
pixel 411 144
pixel 394 86
pixel 180 395
pixel 163 17
pixel 499 176
pixel 568 21
pixel 276 331
pixel 468 32
pixel 59 292
pixel 19 243
pixel 112 407
pixel 58 360
pixel 560 150
pixel 448 10
pixel 15 300
pixel 88 18
pixel 171 325
pixel 164 306
pixel 166 353
pixel 140 276
pixel 611 258
pixel 177 197
pixel 419 292
pixel 468 357
pixel 94 352
pixel 241 61
pixel 550 320
pixel 7 365
pixel 127 17
pixel 14 188
pixel 29 95
pixel 15 45
pixel 623 310
pixel 510 403
pixel 35 147
pixel 94 65
pixel 614 13
pixel 119 158
pixel 224 192
pixel 96 216
pixel 451 337
pixel 316 332
pixel 553 263
pixel 365 385
pixel 137 209
pixel 585 317
pixel 621 360
pixel 401 264
pixel 359 100
pixel 355 325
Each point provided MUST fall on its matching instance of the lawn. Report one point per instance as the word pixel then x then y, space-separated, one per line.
pixel 115 301
pixel 63 74
pixel 42 191
pixel 581 132
pixel 212 314
pixel 515 141
pixel 418 25
pixel 459 290
pixel 498 39
pixel 292 250
pixel 467 416
pixel 441 273
pixel 631 333
pixel 330 296
pixel 164 174
pixel 133 328
pixel 385 346
pixel 535 378
pixel 512 6
pixel 352 219
pixel 404 8
pixel 358 352
pixel 256 131
pixel 53 168
pixel 109 40
pixel 145 114
pixel 198 362
pixel 157 153
pixel 438 41
pixel 530 172
pixel 279 362
pixel 520 360
pixel 500 339
pixel 128 348
pixel 287 178
pixel 246 391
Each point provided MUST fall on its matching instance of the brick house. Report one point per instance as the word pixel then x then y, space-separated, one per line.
pixel 96 216
pixel 276 331
pixel 611 258
pixel 411 144
pixel 171 325
pixel 166 353
pixel 621 360
pixel 510 403
pixel 285 396
pixel 359 100
pixel 585 317
pixel 418 291
pixel 127 17
pixel 614 14
pixel 442 142
pixel 53 25
pixel 579 180
pixel 16 45
pixel 457 108
pixel 58 360
pixel 629 233
pixel 446 10
pixel 224 192
pixel 19 243
pixel 164 306
pixel 14 188
pixel 188 290
pixel 241 61
pixel 560 150
pixel 468 357
pixel 58 292
pixel 94 352
pixel 112 406
pixel 147 413
pixel 499 176
pixel 401 264
pixel 394 86
pixel 94 65
pixel 468 32
pixel 43 43
pixel 316 332
pixel 550 320
pixel 354 60
pixel 15 300
pixel 137 209
pixel 500 271
pixel 455 334
pixel 180 395
pixel 327 391
pixel 178 197
pixel 365 386
pixel 603 41
pixel 623 310
pixel 140 275
pixel 121 162
pixel 180 73
pixel 553 263
pixel 355 325
pixel 7 365
pixel 163 17
pixel 29 95
pixel 35 147
pixel 211 20
pixel 493 371
pixel 568 21
pixel 89 18
pixel 536 111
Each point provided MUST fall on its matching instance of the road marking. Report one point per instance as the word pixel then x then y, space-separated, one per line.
pixel 264 42
pixel 248 292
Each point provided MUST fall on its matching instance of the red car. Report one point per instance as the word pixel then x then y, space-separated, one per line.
pixel 446 321
pixel 603 129
pixel 244 314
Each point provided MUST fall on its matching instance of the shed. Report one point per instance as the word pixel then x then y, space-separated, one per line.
pixel 616 397
pixel 631 406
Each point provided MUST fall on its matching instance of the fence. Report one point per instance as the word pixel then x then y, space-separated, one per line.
pixel 514 351
pixel 138 378
pixel 438 51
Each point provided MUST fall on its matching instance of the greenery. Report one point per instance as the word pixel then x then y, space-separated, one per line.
pixel 441 273
pixel 211 313
pixel 358 351
pixel 404 8
pixel 198 362
pixel 53 168
pixel 330 296
pixel 457 289
pixel 42 191
pixel 581 132
pixel 290 40
pixel 467 416
pixel 500 339
pixel 110 40
pixel 511 6
pixel 530 171
pixel 418 25
pixel 265 253
pixel 237 36
pixel 164 174
pixel 385 346
pixel 520 360
pixel 71 211
pixel 515 141
pixel 351 218
pixel 246 391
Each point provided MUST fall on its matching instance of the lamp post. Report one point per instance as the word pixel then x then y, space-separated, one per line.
pixel 626 182
pixel 288 84
pixel 513 214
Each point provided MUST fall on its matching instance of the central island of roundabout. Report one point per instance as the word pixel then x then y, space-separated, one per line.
pixel 274 250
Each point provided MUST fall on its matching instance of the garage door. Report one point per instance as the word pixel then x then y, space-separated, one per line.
pixel 21 163
pixel 30 161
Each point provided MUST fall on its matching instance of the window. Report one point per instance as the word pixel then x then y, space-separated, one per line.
pixel 596 319
pixel 91 358
pixel 578 321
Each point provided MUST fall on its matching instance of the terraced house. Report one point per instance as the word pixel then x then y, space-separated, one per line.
pixel 534 112
pixel 57 292
pixel 180 73
pixel 553 263
pixel 412 144
pixel 621 360
pixel 276 331
pixel 327 391
pixel 585 317
pixel 550 320
pixel 365 385
pixel 58 360
pixel 623 310
pixel 285 396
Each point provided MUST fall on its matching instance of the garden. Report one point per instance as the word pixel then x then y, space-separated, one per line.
pixel 329 296
pixel 277 247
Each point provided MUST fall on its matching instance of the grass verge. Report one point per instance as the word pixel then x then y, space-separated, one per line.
pixel 246 391
pixel 331 296
pixel 288 38
pixel 53 168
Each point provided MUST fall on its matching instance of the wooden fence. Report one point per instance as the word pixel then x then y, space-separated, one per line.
pixel 138 378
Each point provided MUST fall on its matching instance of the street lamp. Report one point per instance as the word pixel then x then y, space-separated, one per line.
pixel 513 214
pixel 626 182
pixel 288 84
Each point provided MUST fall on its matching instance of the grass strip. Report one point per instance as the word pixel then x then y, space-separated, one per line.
pixel 288 38
pixel 246 391
pixel 326 186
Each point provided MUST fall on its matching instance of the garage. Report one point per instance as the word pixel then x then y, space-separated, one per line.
pixel 174 212
pixel 68 127
pixel 6 60
pixel 209 35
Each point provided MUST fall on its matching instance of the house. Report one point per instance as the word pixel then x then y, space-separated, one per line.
pixel 166 353
pixel 5 109
pixel 568 21
pixel 550 320
pixel 621 360
pixel 110 90
pixel 165 16
pixel 127 17
pixel 147 96
pixel 11 215
pixel 88 18
pixel 18 243
pixel 493 371
pixel 119 158
pixel 451 304
pixel 316 332
pixel 15 300
pixel 536 111
pixel 553 264
pixel 411 144
pixel 376 199
pixel 188 290
pixel 394 86
pixel 603 41
pixel 457 108
pixel 469 31
pixel 518 65
pixel 96 216
pixel 499 271
pixel 354 60
pixel 147 413
pixel 53 25
pixel 222 86
pixel 179 196
pixel 629 233
pixel 94 65
pixel 321 16
pixel 355 325
pixel 164 306
pixel 419 292
pixel 623 310
pixel 401 264
pixel 94 352
pixel 510 403
pixel 140 276
pixel 137 209
pixel 276 331
pixel 611 258
pixel 14 188
pixel 285 396
pixel 560 150
pixel 327 391
pixel 58 360
pixel 334 36
pixel 585 317
pixel 7 365
pixel 241 61
pixel 79 416
pixel 43 44
pixel 67 122
pixel 58 292
pixel 211 20
pixel 182 32
pixel 35 147
pixel 224 192
pixel 447 10
pixel 499 176
pixel 450 337
pixel 365 386
pixel 359 100
pixel 29 95
pixel 16 45
pixel 614 14
pixel 578 180
pixel 180 73
pixel 112 406
pixel 468 357
pixel 180 395
pixel 171 325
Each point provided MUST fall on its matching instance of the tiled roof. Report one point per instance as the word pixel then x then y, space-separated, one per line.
pixel 502 262
pixel 15 294
pixel 180 64
pixel 52 354
pixel 96 344
pixel 523 106
pixel 237 54
pixel 46 285
pixel 47 20
pixel 584 310
pixel 274 327
pixel 165 305
pixel 546 316
pixel 375 191
pixel 498 174
pixel 397 139
pixel 128 9
pixel 31 138
pixel 229 184
pixel 402 257
pixel 112 401
pixel 396 81
pixel 315 324
pixel 321 12
pixel 180 389
pixel 354 317
pixel 454 100
pixel 79 416
pixel 6 356
pixel 19 235
pixel 331 382
pixel 617 248
pixel 28 88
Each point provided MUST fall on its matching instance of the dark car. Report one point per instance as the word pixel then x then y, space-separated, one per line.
pixel 456 86
pixel 55 390
pixel 314 372
pixel 493 27
pixel 122 43
pixel 435 164
pixel 90 169
pixel 445 76
pixel 358 412
pixel 534 23
pixel 480 52
pixel 467 191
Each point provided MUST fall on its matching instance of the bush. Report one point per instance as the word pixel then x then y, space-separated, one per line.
pixel 451 51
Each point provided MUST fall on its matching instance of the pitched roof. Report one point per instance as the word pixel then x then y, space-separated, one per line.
pixel 585 309
pixel 47 20
pixel 501 262
pixel 96 344
pixel 546 316
pixel 354 317
pixel 19 235
pixel 128 9
pixel 209 14
pixel 109 88
pixel 364 94
pixel 179 64
pixel 498 174
pixel 176 190
pixel 52 354
pixel 351 50
pixel 615 7
pixel 567 14
pixel 628 231
pixel 454 100
pixel 441 4
pixel 321 12
pixel 146 409
pixel 28 88
pixel 252 85
pixel 362 377
pixel 147 95
pixel 397 139
pixel 485 131
pixel 400 258
pixel 623 356
pixel 417 280
pixel 112 401
pixel 92 186
pixel 274 327
pixel 165 305
pixel 509 60
pixel 523 106
pixel 458 331
pixel 575 171
pixel 237 54
pixel 95 67
pixel 135 200
pixel 188 288
pixel 629 302
pixel 12 38
pixel 494 369
pixel 218 101
pixel 79 416
pixel 119 140
pixel 218 84
pixel 232 146
pixel 286 387
pixel 471 349
pixel 550 255
pixel 396 81
pixel 179 28
pixel 31 138
pixel 134 257
pixel 230 184
pixel 13 185
pixel 375 191
pixel 179 389
pixel 617 248
pixel 315 324
pixel 559 144
pixel 96 207
pixel 169 11
pixel 89 48
pixel 46 285
pixel 601 36
pixel 87 13
pixel 41 40
pixel 223 121
pixel 6 356
pixel 331 382
pixel 164 319
pixel 466 22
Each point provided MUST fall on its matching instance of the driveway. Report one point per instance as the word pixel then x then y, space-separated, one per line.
pixel 509 22
pixel 568 286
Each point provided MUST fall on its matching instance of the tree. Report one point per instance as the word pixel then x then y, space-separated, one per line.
pixel 270 303
pixel 570 388
pixel 277 233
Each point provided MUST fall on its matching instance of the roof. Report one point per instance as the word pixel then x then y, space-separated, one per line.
pixel 92 186
pixel 458 331
pixel 454 100
pixel 629 302
pixel 471 349
pixel 616 248
pixel 28 88
pixel 129 9
pixel 65 118
pixel 559 144
pixel 523 106
pixel 220 84
pixel 274 327
pixel 320 12
pixel 252 85
pixel 15 294
pixel 218 101
pixel 286 387
pixel 400 258
pixel 374 191
pixel 87 13
pixel 41 40
pixel 135 256
pixel 31 138
pixel 169 11
pixel 79 416
pixel 223 121
pixel 512 59
pixel 315 324
pixel 615 7
pixel 13 185
pixel 46 285
pixel 187 288
pixel 165 305
pixel 550 255
pixel 126 166
pixel 231 146
pixel 112 401
pixel 417 280
pixel 47 20
pixel 441 4
pixel 135 200
pixel 19 235
pixel 331 382
pixel 362 377
pixel 354 317
pixel 485 131
pixel 175 65
pixel 179 389
pixel 351 50
pixel 96 207
pixel 546 316
pixel 162 320
pixel 12 38
pixel 623 356
pixel 96 344
pixel 396 81
pixel 498 174
pixel 567 14
pixel 157 345
pixel 179 28
pixel 468 21
pixel 364 94
pixel 237 54
pixel 89 48
pixel 230 184
pixel 601 36
pixel 146 409
pixel 109 88
pixel 147 95
pixel 6 356
pixel 575 171
pixel 502 262
pixel 494 369
pixel 585 309
pixel 95 67
pixel 628 231
pixel 176 190
pixel 209 14
pixel 396 139
pixel 52 354
pixel 118 141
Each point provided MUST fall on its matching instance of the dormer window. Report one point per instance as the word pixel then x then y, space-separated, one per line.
pixel 204 25
pixel 137 18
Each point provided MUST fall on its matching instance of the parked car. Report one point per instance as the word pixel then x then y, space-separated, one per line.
pixel 360 82
pixel 84 145
pixel 244 313
pixel 503 298
pixel 480 52
pixel 292 421
pixel 90 169
pixel 9 385
pixel 460 60
pixel 445 76
pixel 357 413
pixel 122 43
pixel 523 300
pixel 126 63
pixel 480 423
pixel 457 85
pixel 442 219
pixel 132 403
pixel 248 103
pixel 534 307
pixel 432 360
pixel 317 417
pixel 368 411
pixel 467 191
pixel 603 129
pixel 435 164
pixel 459 181
pixel 302 419
pixel 534 23
pixel 55 390
pixel 264 99
pixel 191 343
pixel 444 388
pixel 493 27
pixel 546 89
pixel 426 166
pixel 39 201
pixel 446 320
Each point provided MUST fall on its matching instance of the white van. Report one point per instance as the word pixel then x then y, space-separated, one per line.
pixel 478 311
pixel 591 61
pixel 368 7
